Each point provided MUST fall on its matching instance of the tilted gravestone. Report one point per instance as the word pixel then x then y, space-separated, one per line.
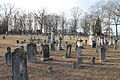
pixel 102 53
pixel 32 51
pixel 68 51
pixel 45 53
pixel 19 65
pixel 8 57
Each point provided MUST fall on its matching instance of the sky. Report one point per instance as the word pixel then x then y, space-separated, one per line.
pixel 52 6
pixel 55 6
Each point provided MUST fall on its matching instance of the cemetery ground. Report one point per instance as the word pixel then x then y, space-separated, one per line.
pixel 62 67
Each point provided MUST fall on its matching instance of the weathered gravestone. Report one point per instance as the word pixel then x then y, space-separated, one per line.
pixel 32 51
pixel 45 53
pixel 68 51
pixel 19 65
pixel 79 61
pixel 8 57
pixel 102 53
pixel 93 60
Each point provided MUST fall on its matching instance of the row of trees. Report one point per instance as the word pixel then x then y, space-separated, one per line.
pixel 17 21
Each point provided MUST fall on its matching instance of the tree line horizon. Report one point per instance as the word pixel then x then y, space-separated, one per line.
pixel 17 21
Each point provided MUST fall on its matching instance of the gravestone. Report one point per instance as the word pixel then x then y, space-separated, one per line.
pixel 3 37
pixel 45 53
pixel 60 47
pixel 48 39
pixel 93 44
pixel 52 37
pixel 97 47
pixel 115 45
pixel 68 51
pixel 74 65
pixel 50 69
pixel 17 41
pixel 52 47
pixel 19 65
pixel 79 50
pixel 8 57
pixel 106 46
pixel 32 51
pixel 102 53
pixel 93 60
pixel 79 60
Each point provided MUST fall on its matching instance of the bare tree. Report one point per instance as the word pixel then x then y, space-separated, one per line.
pixel 75 13
pixel 6 12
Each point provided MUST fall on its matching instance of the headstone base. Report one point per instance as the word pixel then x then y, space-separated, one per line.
pixel 46 59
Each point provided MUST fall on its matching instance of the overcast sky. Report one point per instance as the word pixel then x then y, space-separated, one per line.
pixel 56 6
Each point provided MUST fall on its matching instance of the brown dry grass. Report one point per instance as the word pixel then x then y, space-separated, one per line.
pixel 63 70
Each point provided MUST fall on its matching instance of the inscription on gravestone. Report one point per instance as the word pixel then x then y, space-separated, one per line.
pixel 32 51
pixel 19 65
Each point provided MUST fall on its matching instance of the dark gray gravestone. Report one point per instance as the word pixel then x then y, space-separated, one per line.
pixel 79 61
pixel 19 65
pixel 32 51
pixel 68 51
pixel 93 60
pixel 79 51
pixel 102 53
pixel 8 57
pixel 45 53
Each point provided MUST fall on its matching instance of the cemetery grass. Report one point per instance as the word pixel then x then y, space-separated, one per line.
pixel 62 67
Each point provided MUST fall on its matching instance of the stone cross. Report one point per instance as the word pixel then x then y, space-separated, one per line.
pixel 45 53
pixel 8 57
pixel 32 51
pixel 19 65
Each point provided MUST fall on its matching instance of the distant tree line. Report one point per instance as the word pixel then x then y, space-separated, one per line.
pixel 17 21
